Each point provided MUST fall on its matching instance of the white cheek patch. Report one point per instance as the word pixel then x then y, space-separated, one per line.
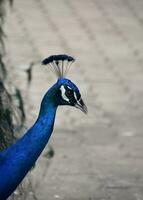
pixel 63 93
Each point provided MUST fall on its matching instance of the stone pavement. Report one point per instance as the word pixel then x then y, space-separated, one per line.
pixel 98 156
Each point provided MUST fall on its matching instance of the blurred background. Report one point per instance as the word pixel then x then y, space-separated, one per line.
pixel 93 157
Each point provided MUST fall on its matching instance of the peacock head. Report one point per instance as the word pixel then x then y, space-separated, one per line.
pixel 64 92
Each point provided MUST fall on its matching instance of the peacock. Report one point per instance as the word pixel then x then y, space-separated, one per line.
pixel 19 158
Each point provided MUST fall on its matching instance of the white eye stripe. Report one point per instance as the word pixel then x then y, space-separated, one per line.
pixel 63 93
pixel 77 100
pixel 69 87
pixel 75 96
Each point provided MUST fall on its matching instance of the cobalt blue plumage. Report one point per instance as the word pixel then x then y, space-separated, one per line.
pixel 18 159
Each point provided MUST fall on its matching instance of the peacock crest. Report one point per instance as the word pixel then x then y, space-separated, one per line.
pixel 59 64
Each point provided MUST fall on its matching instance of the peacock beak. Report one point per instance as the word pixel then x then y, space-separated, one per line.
pixel 81 105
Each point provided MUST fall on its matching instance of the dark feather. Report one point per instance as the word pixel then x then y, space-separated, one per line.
pixel 59 64
pixel 61 57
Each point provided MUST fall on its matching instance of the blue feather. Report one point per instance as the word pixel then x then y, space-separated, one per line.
pixel 18 159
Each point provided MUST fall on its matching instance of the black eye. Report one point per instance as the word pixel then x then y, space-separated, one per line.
pixel 69 93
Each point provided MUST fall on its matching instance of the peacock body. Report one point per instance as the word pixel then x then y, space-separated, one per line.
pixel 18 159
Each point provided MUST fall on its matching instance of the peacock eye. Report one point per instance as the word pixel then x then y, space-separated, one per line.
pixel 69 92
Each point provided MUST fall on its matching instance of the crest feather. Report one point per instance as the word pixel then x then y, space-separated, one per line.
pixel 59 64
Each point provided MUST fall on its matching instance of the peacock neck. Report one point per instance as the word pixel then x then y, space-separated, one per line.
pixel 18 159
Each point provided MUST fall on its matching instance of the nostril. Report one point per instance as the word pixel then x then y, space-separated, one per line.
pixel 81 102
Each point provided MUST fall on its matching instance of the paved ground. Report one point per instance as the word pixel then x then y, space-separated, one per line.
pixel 98 156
